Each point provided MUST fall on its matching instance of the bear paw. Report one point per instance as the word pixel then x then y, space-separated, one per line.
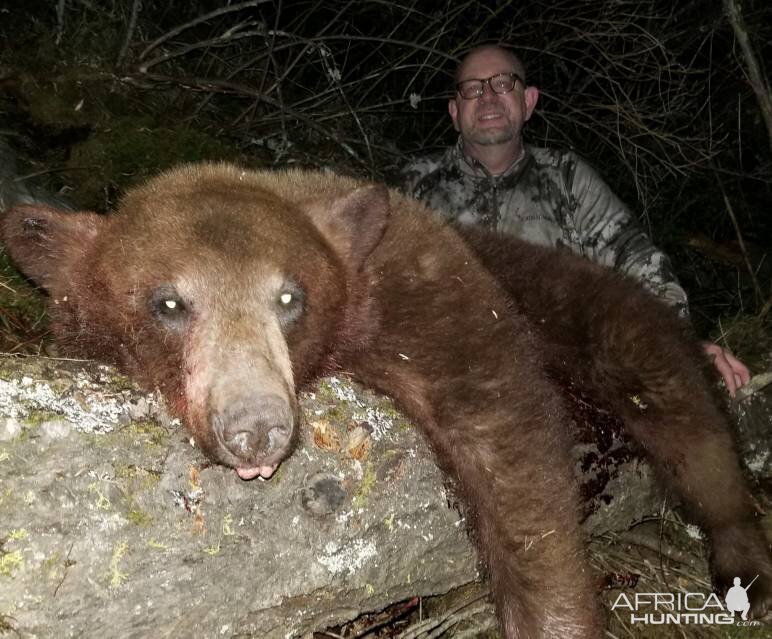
pixel 742 567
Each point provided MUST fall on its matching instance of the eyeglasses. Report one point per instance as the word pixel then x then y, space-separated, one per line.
pixel 500 83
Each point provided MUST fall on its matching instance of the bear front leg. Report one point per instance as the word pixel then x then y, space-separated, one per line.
pixel 513 472
pixel 653 377
pixel 691 448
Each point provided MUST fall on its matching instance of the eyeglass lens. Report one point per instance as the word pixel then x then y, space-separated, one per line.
pixel 501 83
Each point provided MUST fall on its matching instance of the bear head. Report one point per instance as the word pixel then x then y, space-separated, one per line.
pixel 221 287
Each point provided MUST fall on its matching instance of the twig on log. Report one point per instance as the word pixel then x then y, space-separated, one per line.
pixel 432 627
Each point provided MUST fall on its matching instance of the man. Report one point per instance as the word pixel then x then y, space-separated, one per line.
pixel 549 197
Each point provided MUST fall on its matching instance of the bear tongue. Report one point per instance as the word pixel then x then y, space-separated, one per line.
pixel 250 473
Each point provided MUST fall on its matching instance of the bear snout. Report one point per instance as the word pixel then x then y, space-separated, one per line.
pixel 257 432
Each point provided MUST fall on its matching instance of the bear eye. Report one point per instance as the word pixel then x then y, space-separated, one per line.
pixel 290 303
pixel 169 308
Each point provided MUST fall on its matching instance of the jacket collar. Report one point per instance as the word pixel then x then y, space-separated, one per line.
pixel 474 168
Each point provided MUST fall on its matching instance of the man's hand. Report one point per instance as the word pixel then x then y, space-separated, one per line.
pixel 734 372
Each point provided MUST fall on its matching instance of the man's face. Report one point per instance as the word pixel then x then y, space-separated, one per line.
pixel 492 118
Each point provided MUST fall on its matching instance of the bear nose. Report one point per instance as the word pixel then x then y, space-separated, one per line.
pixel 257 429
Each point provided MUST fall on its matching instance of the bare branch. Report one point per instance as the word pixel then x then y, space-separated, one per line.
pixel 204 18
pixel 135 7
pixel 757 81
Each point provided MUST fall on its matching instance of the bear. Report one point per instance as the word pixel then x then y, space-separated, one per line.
pixel 229 289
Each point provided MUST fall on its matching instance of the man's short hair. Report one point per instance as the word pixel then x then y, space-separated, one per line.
pixel 517 64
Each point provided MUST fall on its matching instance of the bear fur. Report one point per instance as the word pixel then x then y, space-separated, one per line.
pixel 229 289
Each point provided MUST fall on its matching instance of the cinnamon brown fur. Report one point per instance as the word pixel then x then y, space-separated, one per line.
pixel 186 288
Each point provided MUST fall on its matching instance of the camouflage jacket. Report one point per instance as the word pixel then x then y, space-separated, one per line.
pixel 548 197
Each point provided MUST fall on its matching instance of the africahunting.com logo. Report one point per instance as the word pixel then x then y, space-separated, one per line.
pixel 687 608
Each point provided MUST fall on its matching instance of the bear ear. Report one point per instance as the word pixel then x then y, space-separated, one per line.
pixel 354 223
pixel 43 241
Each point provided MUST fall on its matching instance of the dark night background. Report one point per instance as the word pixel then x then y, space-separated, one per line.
pixel 98 95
